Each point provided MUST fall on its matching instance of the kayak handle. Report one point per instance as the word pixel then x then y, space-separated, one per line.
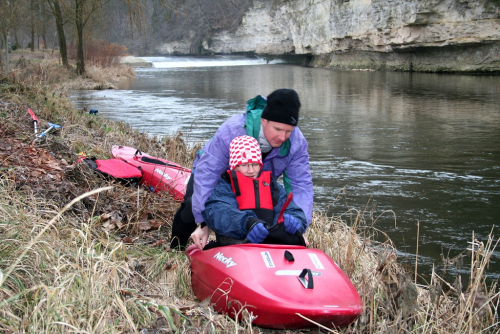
pixel 308 284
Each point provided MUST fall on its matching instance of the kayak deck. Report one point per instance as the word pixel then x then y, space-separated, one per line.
pixel 274 289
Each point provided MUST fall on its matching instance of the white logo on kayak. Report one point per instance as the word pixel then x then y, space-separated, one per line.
pixel 268 260
pixel 315 259
pixel 228 261
pixel 165 175
pixel 294 273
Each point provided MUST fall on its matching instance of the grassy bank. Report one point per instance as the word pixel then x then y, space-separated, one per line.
pixel 79 253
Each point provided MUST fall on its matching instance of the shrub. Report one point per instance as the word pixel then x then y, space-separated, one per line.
pixel 101 53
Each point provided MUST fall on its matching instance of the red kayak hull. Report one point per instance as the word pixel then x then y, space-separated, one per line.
pixel 158 174
pixel 260 278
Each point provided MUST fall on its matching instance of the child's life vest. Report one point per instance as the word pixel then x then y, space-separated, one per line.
pixel 256 194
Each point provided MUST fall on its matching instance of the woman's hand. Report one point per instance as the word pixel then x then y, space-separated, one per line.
pixel 200 236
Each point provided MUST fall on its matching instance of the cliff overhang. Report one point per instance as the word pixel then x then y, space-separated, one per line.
pixel 425 35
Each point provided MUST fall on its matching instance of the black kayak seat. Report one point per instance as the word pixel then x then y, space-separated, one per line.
pixel 157 162
pixel 153 161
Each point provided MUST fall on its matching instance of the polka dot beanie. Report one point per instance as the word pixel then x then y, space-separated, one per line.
pixel 244 150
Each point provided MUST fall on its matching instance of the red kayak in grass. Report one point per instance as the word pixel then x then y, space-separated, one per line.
pixel 159 174
pixel 280 284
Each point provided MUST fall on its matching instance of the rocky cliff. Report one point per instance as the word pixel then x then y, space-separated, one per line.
pixel 419 35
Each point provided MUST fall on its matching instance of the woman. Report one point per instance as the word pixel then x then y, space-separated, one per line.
pixel 246 202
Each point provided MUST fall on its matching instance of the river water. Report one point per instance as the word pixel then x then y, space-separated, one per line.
pixel 420 153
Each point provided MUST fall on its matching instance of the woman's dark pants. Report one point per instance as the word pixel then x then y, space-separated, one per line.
pixel 183 224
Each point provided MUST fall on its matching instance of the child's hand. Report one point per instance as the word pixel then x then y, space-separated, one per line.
pixel 258 233
pixel 292 224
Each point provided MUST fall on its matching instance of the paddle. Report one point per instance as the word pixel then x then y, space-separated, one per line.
pixel 281 219
pixel 34 118
pixel 51 126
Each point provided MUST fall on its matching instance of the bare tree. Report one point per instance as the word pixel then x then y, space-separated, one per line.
pixel 86 11
pixel 43 21
pixel 32 24
pixel 55 7
pixel 9 10
pixel 83 11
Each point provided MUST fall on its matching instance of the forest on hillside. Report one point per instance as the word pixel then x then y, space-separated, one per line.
pixel 139 25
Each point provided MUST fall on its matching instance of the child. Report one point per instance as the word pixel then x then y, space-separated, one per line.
pixel 246 202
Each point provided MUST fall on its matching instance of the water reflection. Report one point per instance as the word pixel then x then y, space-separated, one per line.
pixel 425 146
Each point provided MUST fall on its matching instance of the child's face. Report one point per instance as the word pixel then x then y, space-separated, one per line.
pixel 251 170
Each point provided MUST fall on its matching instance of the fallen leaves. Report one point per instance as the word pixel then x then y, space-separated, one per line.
pixel 40 169
pixel 114 220
pixel 152 224
pixel 144 225
pixel 127 240
pixel 29 163
pixel 111 221
pixel 158 243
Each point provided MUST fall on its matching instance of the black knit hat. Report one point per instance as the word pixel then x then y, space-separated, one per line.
pixel 282 107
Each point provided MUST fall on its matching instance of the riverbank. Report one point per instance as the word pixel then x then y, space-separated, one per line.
pixel 101 264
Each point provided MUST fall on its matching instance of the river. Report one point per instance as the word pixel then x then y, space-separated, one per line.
pixel 420 153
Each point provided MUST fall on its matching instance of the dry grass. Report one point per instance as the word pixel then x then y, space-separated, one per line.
pixel 61 271
pixel 393 302
pixel 43 68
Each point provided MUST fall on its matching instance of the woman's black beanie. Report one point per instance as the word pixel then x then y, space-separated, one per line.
pixel 282 107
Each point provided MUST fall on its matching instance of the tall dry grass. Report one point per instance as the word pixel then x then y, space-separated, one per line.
pixel 44 70
pixel 61 271
pixel 393 302
pixel 67 274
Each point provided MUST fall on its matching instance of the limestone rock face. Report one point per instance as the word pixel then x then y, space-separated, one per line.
pixel 427 35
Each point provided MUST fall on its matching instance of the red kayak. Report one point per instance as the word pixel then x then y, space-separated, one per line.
pixel 159 174
pixel 275 286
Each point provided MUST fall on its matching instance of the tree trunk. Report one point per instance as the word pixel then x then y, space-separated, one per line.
pixel 63 50
pixel 16 40
pixel 80 64
pixel 32 28
pixel 7 46
pixel 32 38
pixel 44 23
